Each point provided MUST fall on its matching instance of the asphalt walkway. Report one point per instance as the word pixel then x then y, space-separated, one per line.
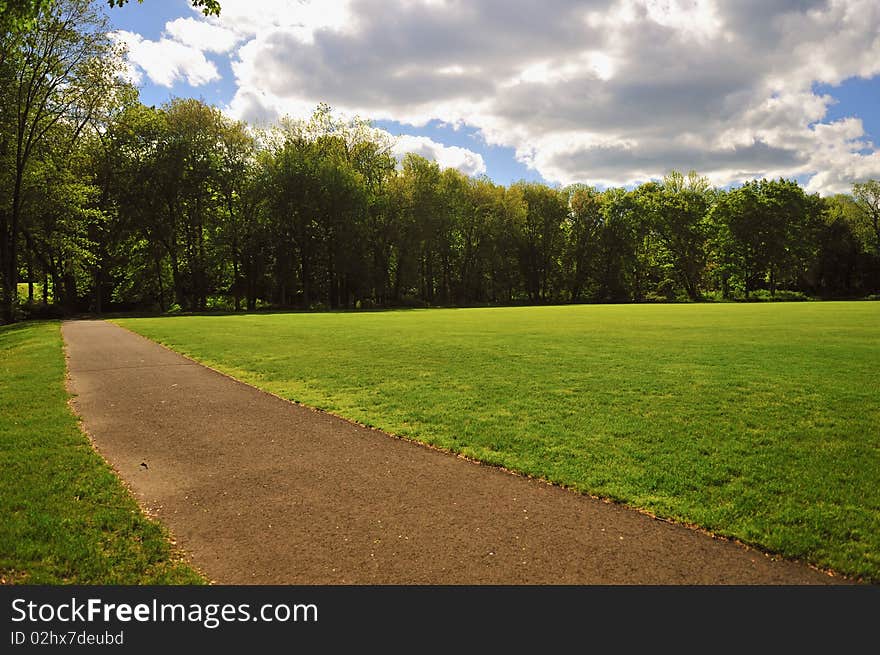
pixel 257 490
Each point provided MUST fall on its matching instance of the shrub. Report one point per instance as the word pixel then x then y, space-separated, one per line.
pixel 782 295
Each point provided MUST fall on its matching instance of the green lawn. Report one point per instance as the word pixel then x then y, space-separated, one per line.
pixel 757 421
pixel 66 518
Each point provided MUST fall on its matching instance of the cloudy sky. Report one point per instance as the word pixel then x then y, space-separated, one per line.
pixel 606 92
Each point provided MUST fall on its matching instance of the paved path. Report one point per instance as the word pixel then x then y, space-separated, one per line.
pixel 259 490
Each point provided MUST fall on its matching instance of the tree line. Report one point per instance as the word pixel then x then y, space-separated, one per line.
pixel 107 204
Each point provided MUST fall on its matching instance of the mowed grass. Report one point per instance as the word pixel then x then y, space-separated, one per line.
pixel 760 422
pixel 66 518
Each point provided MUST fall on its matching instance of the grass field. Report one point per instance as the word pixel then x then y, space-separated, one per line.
pixel 760 422
pixel 66 518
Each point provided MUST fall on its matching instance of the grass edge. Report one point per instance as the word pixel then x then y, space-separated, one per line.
pixel 177 555
pixel 719 536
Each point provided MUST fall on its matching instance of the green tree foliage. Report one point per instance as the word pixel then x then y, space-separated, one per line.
pixel 766 234
pixel 60 217
pixel 17 16
pixel 55 84
pixel 846 264
pixel 181 207
pixel 677 210
pixel 541 239
pixel 109 204
pixel 867 199
pixel 325 180
pixel 583 223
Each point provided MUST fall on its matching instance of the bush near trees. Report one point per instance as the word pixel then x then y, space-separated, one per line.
pixel 107 204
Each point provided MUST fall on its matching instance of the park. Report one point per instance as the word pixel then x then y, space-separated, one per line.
pixel 275 345
pixel 753 422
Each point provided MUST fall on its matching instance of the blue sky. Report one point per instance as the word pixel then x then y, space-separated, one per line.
pixel 856 97
pixel 597 91
pixel 501 163
pixel 149 19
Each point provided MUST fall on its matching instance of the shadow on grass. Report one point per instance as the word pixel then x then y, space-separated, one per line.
pixel 12 328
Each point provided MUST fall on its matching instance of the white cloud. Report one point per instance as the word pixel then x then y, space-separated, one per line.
pixel 201 35
pixel 839 157
pixel 166 61
pixel 599 91
pixel 466 161
pixel 299 18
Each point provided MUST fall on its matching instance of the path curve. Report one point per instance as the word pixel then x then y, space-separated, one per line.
pixel 257 490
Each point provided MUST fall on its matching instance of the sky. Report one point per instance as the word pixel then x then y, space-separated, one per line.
pixel 601 92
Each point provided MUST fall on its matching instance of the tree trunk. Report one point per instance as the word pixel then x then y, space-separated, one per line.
pixel 99 290
pixel 306 272
pixel 251 286
pixel 691 288
pixel 397 285
pixel 30 274
pixel 6 313
pixel 178 282
pixel 159 283
pixel 10 256
pixel 69 293
pixel 202 274
pixel 236 290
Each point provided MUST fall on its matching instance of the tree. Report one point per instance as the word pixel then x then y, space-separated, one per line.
pixel 867 198
pixel 836 268
pixel 481 200
pixel 317 203
pixel 236 167
pixel 678 210
pixel 506 229
pixel 374 161
pixel 582 231
pixel 17 16
pixel 766 233
pixel 137 255
pixel 422 226
pixel 792 219
pixel 187 163
pixel 843 206
pixel 619 273
pixel 847 262
pixel 118 203
pixel 541 241
pixel 65 70
pixel 60 215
